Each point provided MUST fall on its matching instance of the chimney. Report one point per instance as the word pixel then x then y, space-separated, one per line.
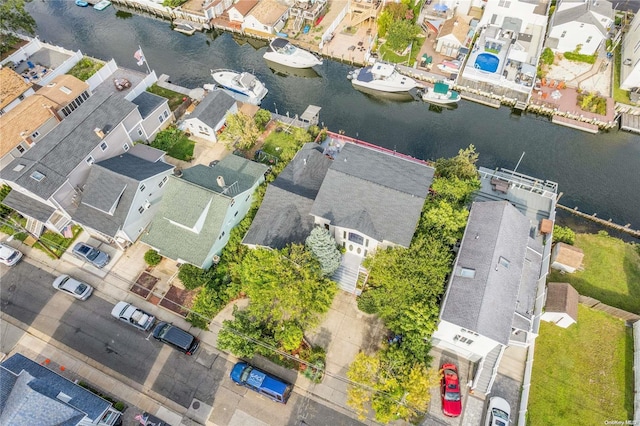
pixel 53 112
pixel 220 181
pixel 27 138
pixel 177 172
pixel 99 132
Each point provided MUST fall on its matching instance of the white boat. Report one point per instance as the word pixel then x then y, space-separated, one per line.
pixel 243 83
pixel 102 5
pixel 184 28
pixel 440 93
pixel 383 77
pixel 451 67
pixel 283 52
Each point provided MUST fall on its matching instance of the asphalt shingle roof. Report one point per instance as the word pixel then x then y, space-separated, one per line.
pixel 239 174
pixel 67 145
pixel 213 108
pixel 148 102
pixel 584 12
pixel 28 206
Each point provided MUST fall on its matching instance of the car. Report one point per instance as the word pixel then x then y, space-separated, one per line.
pixel 176 337
pixel 8 255
pixel 134 316
pixel 498 413
pixel 86 252
pixel 450 391
pixel 71 286
pixel 276 389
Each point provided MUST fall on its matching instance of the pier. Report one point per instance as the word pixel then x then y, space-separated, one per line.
pixel 608 223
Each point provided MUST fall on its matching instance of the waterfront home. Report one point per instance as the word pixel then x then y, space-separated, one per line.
pixel 13 90
pixel 34 394
pixel 579 24
pixel 200 207
pixel 209 116
pixel 239 11
pixel 214 9
pixel 122 194
pixel 561 306
pixel 630 56
pixel 67 91
pixel 455 34
pixel 566 258
pixel 267 18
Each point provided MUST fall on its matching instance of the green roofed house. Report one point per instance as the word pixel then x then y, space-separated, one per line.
pixel 200 207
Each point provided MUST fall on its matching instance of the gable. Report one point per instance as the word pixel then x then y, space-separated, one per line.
pixel 268 12
pixel 13 85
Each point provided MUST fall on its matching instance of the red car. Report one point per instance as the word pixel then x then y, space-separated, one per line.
pixel 450 391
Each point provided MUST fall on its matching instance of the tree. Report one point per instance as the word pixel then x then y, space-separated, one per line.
pixel 462 166
pixel 454 190
pixel 446 220
pixel 240 335
pixel 363 372
pixel 401 33
pixel 14 19
pixel 323 246
pixel 563 234
pixel 261 118
pixel 241 132
pixel 385 21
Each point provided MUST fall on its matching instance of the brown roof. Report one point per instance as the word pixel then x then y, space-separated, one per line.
pixel 244 6
pixel 12 85
pixel 458 27
pixel 268 12
pixel 569 255
pixel 54 90
pixel 561 297
pixel 26 117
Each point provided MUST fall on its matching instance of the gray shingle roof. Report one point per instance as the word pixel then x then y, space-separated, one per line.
pixel 28 206
pixel 148 102
pixel 239 174
pixel 497 246
pixel 46 386
pixel 213 108
pixel 375 193
pixel 67 145
pixel 583 12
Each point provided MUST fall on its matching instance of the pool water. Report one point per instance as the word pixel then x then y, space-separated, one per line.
pixel 487 62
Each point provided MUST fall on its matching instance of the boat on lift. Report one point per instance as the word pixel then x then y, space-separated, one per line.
pixel 243 83
pixel 383 77
pixel 283 52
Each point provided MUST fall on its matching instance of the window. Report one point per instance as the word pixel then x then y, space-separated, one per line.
pixel 589 39
pixel 166 114
pixel 90 160
pixel 37 176
pixel 467 273
pixel 103 146
pixel 35 134
pixel 233 201
pixel 160 118
pixel 462 339
pixel 355 238
pixel 504 262
pixel 564 33
pixel 20 149
pixel 139 131
pixel 141 209
pixel 221 235
pixel 125 147
pixel 162 183
pixel 142 187
pixel 21 97
pixel 236 214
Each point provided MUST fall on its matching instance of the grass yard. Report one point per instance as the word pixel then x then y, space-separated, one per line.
pixel 582 374
pixel 389 55
pixel 175 98
pixel 611 272
pixel 85 68
pixel 277 142
pixel 182 149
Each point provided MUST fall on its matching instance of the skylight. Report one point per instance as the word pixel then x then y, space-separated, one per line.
pixel 467 273
pixel 18 167
pixel 37 176
pixel 66 90
pixel 504 262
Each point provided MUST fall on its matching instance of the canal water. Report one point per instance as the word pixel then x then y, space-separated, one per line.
pixel 597 173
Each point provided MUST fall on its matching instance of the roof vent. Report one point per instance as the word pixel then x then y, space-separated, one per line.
pixel 177 172
pixel 220 181
pixel 63 397
pixel 99 132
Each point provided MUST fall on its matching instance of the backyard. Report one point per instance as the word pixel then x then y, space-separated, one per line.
pixel 611 271
pixel 576 376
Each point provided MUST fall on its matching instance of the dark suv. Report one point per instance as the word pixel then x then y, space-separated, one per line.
pixel 176 337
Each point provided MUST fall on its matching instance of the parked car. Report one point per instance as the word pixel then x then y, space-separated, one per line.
pixel 176 337
pixel 131 315
pixel 450 391
pixel 8 255
pixel 498 413
pixel 265 384
pixel 97 258
pixel 71 286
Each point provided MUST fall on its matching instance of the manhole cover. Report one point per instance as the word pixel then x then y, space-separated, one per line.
pixel 195 405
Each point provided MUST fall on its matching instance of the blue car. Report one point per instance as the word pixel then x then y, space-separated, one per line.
pixel 90 254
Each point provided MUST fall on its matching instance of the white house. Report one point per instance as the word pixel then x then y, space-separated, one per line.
pixel 239 11
pixel 580 23
pixel 561 307
pixel 215 8
pixel 454 34
pixel 268 17
pixel 565 257
pixel 630 69
pixel 210 115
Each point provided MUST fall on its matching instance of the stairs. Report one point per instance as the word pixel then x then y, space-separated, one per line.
pixel 488 367
pixel 347 273
pixel 35 227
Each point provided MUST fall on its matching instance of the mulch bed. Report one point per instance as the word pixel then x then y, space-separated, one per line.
pixel 144 284
pixel 178 300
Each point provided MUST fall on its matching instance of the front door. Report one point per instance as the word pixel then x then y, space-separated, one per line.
pixel 356 244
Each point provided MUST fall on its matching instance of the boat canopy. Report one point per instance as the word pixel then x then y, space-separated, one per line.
pixel 442 88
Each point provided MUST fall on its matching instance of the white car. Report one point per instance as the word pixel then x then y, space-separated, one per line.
pixel 498 412
pixel 131 315
pixel 8 255
pixel 71 286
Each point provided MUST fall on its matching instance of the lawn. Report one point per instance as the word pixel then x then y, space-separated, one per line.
pixel 277 142
pixel 582 372
pixel 619 95
pixel 175 98
pixel 175 143
pixel 85 68
pixel 182 149
pixel 611 272
pixel 389 55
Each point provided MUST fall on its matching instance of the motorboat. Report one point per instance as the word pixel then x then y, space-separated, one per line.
pixel 243 83
pixel 283 52
pixel 383 77
pixel 184 28
pixel 82 3
pixel 102 5
pixel 440 93
pixel 452 67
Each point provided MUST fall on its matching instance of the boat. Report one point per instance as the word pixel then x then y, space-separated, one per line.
pixel 383 77
pixel 243 83
pixel 450 66
pixel 283 52
pixel 81 3
pixel 184 28
pixel 440 93
pixel 102 5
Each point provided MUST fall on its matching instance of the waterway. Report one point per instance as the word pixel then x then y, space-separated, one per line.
pixel 597 173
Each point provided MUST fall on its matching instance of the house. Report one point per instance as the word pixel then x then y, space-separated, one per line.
pixel 453 35
pixel 48 179
pixel 13 89
pixel 200 207
pixel 267 18
pixel 122 194
pixel 239 11
pixel 216 8
pixel 32 394
pixel 209 116
pixel 284 215
pixel 67 91
pixel 561 306
pixel 567 258
pixel 490 299
pixel 630 56
pixel 155 113
pixel 582 24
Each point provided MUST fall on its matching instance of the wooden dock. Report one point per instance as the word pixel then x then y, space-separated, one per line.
pixel 484 100
pixel 608 223
pixel 630 122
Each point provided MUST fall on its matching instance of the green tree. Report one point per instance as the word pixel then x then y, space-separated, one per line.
pixel 563 234
pixel 193 277
pixel 241 132
pixel 324 248
pixel 363 372
pixel 462 166
pixel 261 118
pixel 239 336
pixel 289 335
pixel 152 257
pixel 385 21
pixel 401 33
pixel 14 19
pixel 446 220
pixel 398 11
pixel 454 190
pixel 4 210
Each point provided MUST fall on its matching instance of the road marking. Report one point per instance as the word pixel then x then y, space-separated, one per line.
pixel 157 367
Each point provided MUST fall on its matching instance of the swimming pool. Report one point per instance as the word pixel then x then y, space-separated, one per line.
pixel 487 62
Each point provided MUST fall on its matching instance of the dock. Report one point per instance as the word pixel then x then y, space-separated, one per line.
pixel 484 100
pixel 630 122
pixel 575 124
pixel 608 223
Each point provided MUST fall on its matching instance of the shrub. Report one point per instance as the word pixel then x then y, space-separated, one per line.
pixel 367 304
pixel 563 234
pixel 193 277
pixel 262 117
pixel 579 57
pixel 547 56
pixel 152 257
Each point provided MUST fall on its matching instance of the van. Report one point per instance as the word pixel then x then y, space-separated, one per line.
pixel 176 337
pixel 273 388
